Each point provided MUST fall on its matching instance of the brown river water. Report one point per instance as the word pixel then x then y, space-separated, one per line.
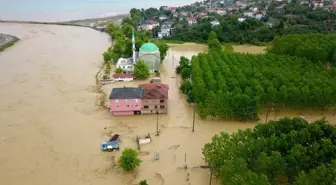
pixel 51 123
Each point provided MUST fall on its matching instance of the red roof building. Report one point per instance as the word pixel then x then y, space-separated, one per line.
pixel 123 77
pixel 154 98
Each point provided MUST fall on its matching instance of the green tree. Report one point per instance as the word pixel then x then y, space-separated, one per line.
pixel 186 86
pixel 119 70
pixel 107 56
pixel 186 72
pixel 333 60
pixel 141 70
pixel 163 48
pixel 144 182
pixel 213 43
pixel 129 159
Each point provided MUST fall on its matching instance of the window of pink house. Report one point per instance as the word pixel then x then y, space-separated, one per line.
pixel 136 100
pixel 116 100
pixel 117 106
pixel 127 105
pixel 136 105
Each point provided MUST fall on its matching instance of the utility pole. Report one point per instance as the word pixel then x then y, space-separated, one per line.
pixel 157 123
pixel 193 129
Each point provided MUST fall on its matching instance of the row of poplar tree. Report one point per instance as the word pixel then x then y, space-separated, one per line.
pixel 235 86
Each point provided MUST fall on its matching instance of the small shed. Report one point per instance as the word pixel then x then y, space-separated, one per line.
pixel 126 77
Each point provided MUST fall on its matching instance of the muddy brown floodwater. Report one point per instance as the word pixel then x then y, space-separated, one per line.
pixel 51 123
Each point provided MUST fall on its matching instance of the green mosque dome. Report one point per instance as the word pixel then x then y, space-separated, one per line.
pixel 149 47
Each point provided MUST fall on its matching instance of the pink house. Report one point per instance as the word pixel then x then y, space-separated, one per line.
pixel 126 101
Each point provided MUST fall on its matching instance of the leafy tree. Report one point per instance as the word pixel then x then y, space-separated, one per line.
pixel 141 70
pixel 129 159
pixel 333 60
pixel 144 182
pixel 107 56
pixel 213 43
pixel 163 48
pixel 119 70
pixel 186 72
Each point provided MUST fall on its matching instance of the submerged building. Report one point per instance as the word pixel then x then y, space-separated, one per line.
pixel 150 54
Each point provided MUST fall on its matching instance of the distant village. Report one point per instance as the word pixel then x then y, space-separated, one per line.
pixel 167 22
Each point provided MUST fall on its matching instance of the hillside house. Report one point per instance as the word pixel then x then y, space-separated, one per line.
pixel 149 25
pixel 126 77
pixel 241 4
pixel 215 23
pixel 241 19
pixel 184 13
pixel 173 9
pixel 165 31
pixel 220 11
pixel 164 8
pixel 248 14
pixel 154 98
pixel 331 7
pixel 316 4
pixel 232 8
pixel 258 15
pixel 126 101
pixel 163 17
pixel 192 20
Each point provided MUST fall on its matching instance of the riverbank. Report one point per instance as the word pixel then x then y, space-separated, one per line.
pixel 7 41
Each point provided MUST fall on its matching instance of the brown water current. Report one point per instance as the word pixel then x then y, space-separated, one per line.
pixel 51 123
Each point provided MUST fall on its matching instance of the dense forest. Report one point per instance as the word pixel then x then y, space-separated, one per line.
pixel 291 19
pixel 316 47
pixel 288 151
pixel 235 86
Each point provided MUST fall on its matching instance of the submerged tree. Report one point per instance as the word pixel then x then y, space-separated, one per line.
pixel 129 159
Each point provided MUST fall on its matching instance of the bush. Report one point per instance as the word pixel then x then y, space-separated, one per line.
pixel 129 159
pixel 119 70
pixel 144 182
pixel 107 67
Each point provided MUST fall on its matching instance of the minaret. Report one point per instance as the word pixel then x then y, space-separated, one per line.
pixel 133 46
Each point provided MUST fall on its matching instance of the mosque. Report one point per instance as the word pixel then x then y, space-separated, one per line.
pixel 149 53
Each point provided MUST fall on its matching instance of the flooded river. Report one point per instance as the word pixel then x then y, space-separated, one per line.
pixel 51 124
pixel 50 127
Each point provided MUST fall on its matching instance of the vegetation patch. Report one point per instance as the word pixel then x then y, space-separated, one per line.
pixel 316 47
pixel 9 44
pixel 235 86
pixel 288 151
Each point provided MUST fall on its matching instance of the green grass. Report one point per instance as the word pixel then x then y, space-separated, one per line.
pixel 172 41
pixel 9 44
